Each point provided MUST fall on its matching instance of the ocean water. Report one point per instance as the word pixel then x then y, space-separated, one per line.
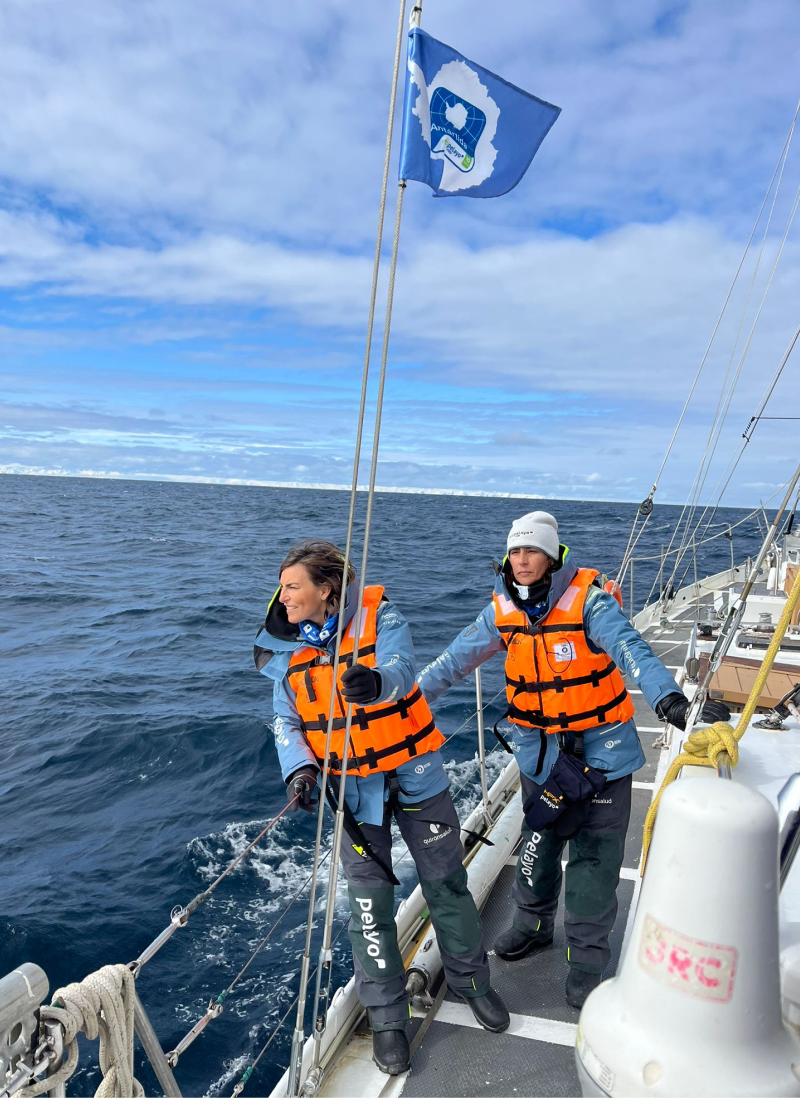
pixel 136 756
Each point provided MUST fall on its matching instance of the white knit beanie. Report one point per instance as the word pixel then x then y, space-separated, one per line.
pixel 536 530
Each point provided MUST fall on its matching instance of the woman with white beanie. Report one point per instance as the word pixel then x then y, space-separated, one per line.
pixel 574 737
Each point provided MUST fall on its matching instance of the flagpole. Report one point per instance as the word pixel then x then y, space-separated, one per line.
pixel 324 967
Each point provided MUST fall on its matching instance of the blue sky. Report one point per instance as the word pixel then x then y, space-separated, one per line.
pixel 188 202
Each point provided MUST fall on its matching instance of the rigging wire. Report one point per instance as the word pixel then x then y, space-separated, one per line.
pixel 755 513
pixel 749 430
pixel 324 968
pixel 738 375
pixel 299 1033
pixel 646 507
pixel 730 469
pixel 717 422
pixel 180 915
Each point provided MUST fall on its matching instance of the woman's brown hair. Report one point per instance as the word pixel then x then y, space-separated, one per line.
pixel 324 564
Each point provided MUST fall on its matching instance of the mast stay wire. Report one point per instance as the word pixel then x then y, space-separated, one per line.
pixel 730 469
pixel 708 458
pixel 299 1033
pixel 747 438
pixel 754 514
pixel 777 172
pixel 723 404
pixel 645 510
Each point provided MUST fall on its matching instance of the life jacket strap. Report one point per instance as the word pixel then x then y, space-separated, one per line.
pixel 363 718
pixel 559 683
pixel 372 758
pixel 564 721
pixel 504 742
pixel 324 659
pixel 566 627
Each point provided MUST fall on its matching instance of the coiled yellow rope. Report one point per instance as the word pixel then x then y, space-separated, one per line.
pixel 705 744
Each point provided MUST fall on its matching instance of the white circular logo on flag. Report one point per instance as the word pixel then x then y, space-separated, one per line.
pixel 459 120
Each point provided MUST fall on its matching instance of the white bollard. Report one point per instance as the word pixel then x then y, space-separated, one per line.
pixel 696 1005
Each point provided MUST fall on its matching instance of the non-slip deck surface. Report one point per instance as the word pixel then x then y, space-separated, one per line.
pixel 453 1061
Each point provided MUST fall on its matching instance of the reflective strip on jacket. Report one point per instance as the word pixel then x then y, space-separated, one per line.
pixel 382 736
pixel 554 681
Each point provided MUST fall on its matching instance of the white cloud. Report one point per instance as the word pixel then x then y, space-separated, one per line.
pixel 148 116
pixel 205 162
pixel 626 313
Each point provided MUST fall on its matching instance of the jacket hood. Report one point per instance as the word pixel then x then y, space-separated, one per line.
pixel 560 580
pixel 278 634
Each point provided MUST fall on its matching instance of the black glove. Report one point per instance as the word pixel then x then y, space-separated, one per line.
pixel 302 782
pixel 361 684
pixel 674 707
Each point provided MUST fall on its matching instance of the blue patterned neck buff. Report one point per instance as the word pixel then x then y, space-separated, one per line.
pixel 319 635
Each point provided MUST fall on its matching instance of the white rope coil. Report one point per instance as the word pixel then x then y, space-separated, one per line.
pixel 101 1006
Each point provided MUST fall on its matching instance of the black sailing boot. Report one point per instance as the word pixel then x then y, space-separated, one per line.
pixel 390 1050
pixel 514 944
pixel 489 1010
pixel 580 985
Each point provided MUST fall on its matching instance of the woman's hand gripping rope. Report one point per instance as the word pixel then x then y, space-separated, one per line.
pixel 704 745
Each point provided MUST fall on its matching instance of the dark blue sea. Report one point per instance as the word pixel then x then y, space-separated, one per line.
pixel 136 752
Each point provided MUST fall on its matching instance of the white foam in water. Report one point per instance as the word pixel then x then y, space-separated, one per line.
pixel 234 1069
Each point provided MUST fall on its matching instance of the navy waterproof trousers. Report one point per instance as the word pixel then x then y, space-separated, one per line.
pixel 431 832
pixel 595 856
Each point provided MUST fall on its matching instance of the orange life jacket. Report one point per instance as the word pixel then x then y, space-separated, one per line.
pixel 553 679
pixel 383 736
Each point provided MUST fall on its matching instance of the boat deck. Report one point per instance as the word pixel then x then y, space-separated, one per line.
pixel 451 1054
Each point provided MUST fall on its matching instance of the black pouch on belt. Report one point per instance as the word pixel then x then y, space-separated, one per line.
pixel 562 802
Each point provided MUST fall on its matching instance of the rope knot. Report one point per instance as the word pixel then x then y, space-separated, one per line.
pixel 706 744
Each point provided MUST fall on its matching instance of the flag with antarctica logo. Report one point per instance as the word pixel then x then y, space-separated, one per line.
pixel 465 130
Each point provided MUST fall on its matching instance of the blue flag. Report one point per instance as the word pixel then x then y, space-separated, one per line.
pixel 465 130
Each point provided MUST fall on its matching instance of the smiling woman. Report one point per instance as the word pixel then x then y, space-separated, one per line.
pixel 394 770
pixel 311 587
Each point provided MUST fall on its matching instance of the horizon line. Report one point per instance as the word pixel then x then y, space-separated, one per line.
pixel 179 478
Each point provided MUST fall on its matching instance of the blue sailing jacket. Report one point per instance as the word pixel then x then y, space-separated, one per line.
pixel 421 777
pixel 613 748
